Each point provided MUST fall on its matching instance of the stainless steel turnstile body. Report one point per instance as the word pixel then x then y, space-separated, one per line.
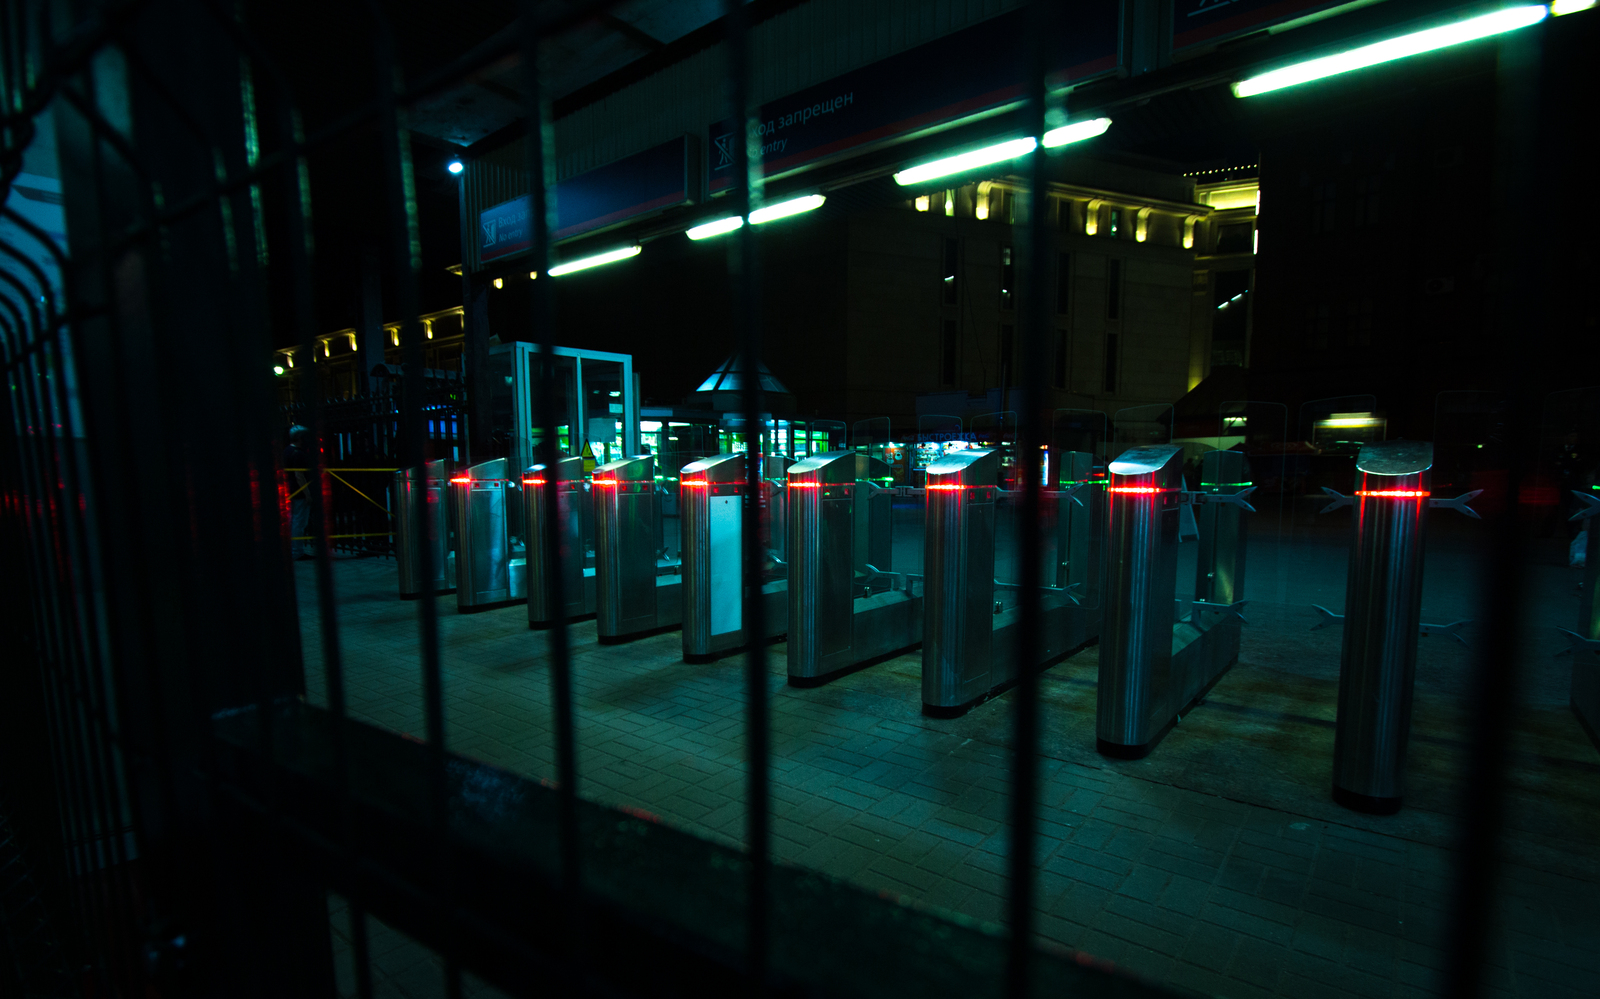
pixel 711 502
pixel 490 558
pixel 1219 567
pixel 968 644
pixel 1153 666
pixel 575 562
pixel 846 606
pixel 635 589
pixel 1382 617
pixel 422 518
pixel 1586 658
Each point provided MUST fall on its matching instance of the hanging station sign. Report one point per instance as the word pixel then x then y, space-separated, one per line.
pixel 972 72
pixel 657 178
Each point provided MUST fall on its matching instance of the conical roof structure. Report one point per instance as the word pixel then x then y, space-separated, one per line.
pixel 729 377
pixel 722 391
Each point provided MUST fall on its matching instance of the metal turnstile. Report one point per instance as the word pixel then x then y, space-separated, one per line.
pixel 490 557
pixel 1586 640
pixel 711 503
pixel 1382 619
pixel 969 636
pixel 636 590
pixel 1154 663
pixel 576 562
pixel 846 606
pixel 422 518
pixel 1219 567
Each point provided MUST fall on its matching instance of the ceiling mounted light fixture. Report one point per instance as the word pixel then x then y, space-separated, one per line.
pixel 584 263
pixel 1390 49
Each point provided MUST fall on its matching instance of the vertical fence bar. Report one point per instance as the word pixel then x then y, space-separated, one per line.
pixel 1030 437
pixel 744 271
pixel 406 246
pixel 1496 666
pixel 542 207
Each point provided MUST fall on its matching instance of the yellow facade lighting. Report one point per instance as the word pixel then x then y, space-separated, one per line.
pixel 499 283
pixel 922 203
pixel 427 328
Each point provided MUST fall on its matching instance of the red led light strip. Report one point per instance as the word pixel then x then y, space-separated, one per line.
pixel 1395 493
pixel 463 478
pixel 945 488
pixel 693 482
pixel 805 485
pixel 605 482
pixel 1138 490
pixel 533 482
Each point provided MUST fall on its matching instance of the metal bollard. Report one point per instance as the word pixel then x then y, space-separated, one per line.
pixel 577 579
pixel 420 519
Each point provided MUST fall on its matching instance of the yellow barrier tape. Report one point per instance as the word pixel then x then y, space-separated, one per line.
pixel 358 492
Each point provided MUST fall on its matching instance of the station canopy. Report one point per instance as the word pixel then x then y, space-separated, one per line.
pixel 723 386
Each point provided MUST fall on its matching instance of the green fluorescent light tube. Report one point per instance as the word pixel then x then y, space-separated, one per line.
pixel 1390 49
pixel 584 263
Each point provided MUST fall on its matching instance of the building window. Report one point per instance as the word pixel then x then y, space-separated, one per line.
pixel 1061 359
pixel 1324 207
pixel 1115 232
pixel 1111 361
pixel 948 351
pixel 1063 282
pixel 952 260
pixel 1008 277
pixel 1113 289
pixel 1235 238
pixel 1008 337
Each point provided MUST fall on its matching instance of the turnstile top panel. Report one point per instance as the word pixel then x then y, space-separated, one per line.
pixel 1076 466
pixel 1164 461
pixel 1395 457
pixel 495 469
pixel 840 467
pixel 567 469
pixel 775 466
pixel 726 467
pixel 972 467
pixel 1224 469
pixel 438 469
pixel 641 466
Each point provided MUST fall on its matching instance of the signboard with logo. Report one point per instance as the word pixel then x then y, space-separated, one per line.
pixel 975 71
pixel 1201 22
pixel 657 178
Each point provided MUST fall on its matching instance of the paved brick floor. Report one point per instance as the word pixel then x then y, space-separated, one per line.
pixel 1219 863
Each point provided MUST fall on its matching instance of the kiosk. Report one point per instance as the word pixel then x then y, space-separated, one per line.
pixel 969 629
pixel 490 558
pixel 845 605
pixel 636 590
pixel 422 518
pixel 1154 664
pixel 573 557
pixel 712 498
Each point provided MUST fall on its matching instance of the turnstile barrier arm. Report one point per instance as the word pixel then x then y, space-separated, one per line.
pixel 1235 609
pixel 1453 629
pixel 1237 499
pixel 1591 510
pixel 1459 503
pixel 1339 499
pixel 1577 643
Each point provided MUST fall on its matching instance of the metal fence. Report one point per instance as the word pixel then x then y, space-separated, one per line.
pixel 205 809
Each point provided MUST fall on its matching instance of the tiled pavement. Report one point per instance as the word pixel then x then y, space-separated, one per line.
pixel 1218 864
